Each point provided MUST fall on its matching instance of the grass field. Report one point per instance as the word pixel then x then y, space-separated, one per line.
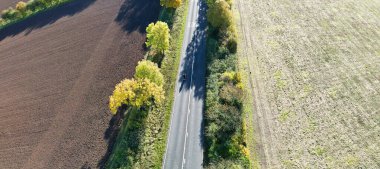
pixel 315 72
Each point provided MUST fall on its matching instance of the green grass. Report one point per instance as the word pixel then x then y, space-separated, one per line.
pixel 151 134
pixel 29 14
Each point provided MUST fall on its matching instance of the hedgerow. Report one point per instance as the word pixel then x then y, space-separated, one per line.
pixel 224 124
pixel 24 10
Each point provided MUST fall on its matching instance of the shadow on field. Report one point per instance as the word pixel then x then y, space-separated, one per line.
pixel 138 14
pixel 110 135
pixel 45 18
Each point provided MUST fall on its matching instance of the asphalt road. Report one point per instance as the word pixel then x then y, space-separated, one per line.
pixel 185 140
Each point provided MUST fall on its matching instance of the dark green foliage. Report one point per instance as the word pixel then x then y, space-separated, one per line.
pixel 219 14
pixel 10 14
pixel 232 45
pixel 34 5
pixel 231 95
pixel 224 98
pixel 129 140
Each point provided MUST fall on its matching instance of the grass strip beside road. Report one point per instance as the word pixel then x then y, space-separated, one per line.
pixel 28 14
pixel 244 68
pixel 141 142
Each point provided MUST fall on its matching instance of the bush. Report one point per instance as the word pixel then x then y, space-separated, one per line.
pixel 232 45
pixel 21 6
pixel 2 22
pixel 10 14
pixel 171 3
pixel 231 95
pixel 229 38
pixel 232 77
pixel 219 14
pixel 224 98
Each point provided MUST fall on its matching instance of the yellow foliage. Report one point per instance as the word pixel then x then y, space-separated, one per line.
pixel 122 93
pixel 21 6
pixel 171 3
pixel 136 93
pixel 149 70
pixel 233 77
pixel 245 150
pixel 158 35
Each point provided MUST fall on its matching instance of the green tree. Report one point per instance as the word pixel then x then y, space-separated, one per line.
pixel 149 70
pixel 219 14
pixel 158 37
pixel 136 93
pixel 171 3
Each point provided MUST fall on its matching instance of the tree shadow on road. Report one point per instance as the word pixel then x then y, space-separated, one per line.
pixel 196 49
pixel 45 18
pixel 137 14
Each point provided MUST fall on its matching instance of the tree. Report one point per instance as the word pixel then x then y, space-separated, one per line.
pixel 135 93
pixel 149 70
pixel 158 37
pixel 21 6
pixel 171 3
pixel 219 14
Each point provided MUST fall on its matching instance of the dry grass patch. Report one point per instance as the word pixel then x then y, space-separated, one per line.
pixel 316 69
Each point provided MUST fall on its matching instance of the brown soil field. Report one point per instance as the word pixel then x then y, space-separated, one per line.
pixel 4 4
pixel 57 70
pixel 315 73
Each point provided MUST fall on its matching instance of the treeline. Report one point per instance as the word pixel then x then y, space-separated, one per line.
pixel 148 96
pixel 141 94
pixel 224 124
pixel 26 9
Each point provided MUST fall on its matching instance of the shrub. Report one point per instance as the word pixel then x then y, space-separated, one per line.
pixel 21 6
pixel 2 22
pixel 34 5
pixel 231 95
pixel 232 45
pixel 10 14
pixel 219 14
pixel 171 3
pixel 158 36
pixel 232 77
pixel 228 36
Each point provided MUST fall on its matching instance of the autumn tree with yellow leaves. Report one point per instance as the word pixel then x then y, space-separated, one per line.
pixel 171 3
pixel 158 37
pixel 144 91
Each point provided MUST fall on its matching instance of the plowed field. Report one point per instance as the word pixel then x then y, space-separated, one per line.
pixel 57 70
